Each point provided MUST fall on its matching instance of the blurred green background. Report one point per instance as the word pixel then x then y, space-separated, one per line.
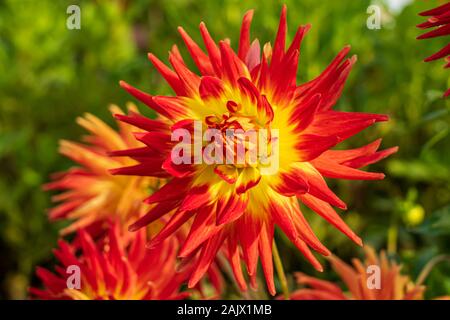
pixel 49 75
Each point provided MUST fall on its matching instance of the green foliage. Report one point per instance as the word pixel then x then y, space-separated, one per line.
pixel 50 75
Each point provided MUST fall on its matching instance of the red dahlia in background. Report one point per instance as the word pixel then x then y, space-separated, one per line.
pixel 439 19
pixel 235 206
pixel 119 267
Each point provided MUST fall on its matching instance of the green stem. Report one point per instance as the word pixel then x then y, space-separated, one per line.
pixel 392 239
pixel 429 266
pixel 280 271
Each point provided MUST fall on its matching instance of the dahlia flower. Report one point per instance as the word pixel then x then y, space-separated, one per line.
pixel 91 194
pixel 439 18
pixel 393 285
pixel 235 204
pixel 117 268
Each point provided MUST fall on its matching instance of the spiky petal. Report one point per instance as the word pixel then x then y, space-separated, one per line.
pixel 439 19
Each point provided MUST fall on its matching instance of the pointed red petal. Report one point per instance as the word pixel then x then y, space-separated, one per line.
pixel 244 39
pixel 233 67
pixel 280 40
pixel 169 75
pixel 369 159
pixel 326 211
pixel 203 228
pixel 235 261
pixel 168 110
pixel 207 255
pixel 318 187
pixel 342 156
pixel 249 230
pixel 265 250
pixel 332 169
pixel 190 80
pixel 142 122
pixel 213 50
pixel 200 58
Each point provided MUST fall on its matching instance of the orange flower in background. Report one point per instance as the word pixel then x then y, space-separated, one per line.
pixel 90 193
pixel 92 196
pixel 119 267
pixel 236 205
pixel 393 285
pixel 439 18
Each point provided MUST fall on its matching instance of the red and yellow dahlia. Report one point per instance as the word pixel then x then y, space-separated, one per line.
pixel 236 204
pixel 392 285
pixel 117 267
pixel 439 18
pixel 91 194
